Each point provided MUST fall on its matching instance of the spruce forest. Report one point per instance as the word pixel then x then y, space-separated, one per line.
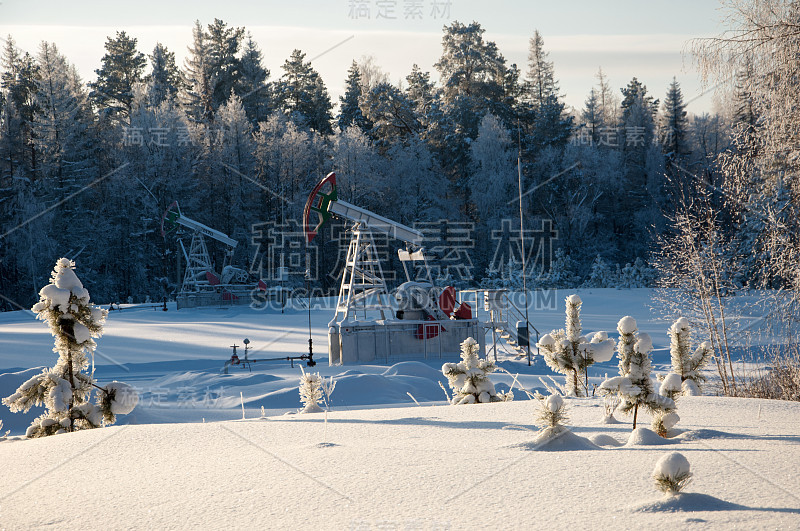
pixel 628 191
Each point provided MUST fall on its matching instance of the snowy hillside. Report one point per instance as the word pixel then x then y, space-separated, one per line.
pixel 175 359
pixel 435 467
pixel 185 457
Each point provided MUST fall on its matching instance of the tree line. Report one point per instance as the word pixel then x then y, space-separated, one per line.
pixel 88 168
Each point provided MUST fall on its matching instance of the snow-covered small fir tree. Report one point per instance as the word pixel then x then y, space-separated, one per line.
pixel 469 378
pixel 66 389
pixel 633 385
pixel 569 353
pixel 311 392
pixel 685 364
pixel 671 386
pixel 552 412
pixel 664 420
pixel 672 473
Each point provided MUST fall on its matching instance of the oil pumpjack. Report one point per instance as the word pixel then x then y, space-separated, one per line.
pixel 425 321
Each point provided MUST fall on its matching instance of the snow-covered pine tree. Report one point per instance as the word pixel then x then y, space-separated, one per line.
pixel 470 67
pixel 569 353
pixel 418 195
pixel 495 177
pixel 253 86
pixel 560 275
pixel 359 168
pixel 633 385
pixel 231 160
pixel 469 378
pixel 391 114
pixel 311 392
pixel 672 473
pixel 671 386
pixel 663 421
pixel 66 389
pixel 552 125
pixel 122 68
pixel 540 80
pixel 674 133
pixel 592 116
pixel 302 95
pixel 685 364
pixel 197 78
pixel 349 103
pixel 164 80
pixel 638 130
pixel 552 412
pixel 636 275
pixel 60 127
pixel 225 66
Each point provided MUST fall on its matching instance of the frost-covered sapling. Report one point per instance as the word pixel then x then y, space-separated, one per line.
pixel 672 473
pixel 65 390
pixel 671 386
pixel 569 353
pixel 552 413
pixel 663 421
pixel 117 398
pixel 610 404
pixel 633 385
pixel 311 394
pixel 469 378
pixel 686 365
pixel 328 387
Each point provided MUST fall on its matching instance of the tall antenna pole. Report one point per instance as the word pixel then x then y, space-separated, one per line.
pixel 522 238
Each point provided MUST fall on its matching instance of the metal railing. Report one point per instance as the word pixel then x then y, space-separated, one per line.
pixel 505 315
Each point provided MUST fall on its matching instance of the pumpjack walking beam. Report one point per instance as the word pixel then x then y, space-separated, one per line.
pixel 363 286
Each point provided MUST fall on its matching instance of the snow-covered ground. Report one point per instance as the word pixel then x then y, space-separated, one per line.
pixel 175 358
pixel 430 467
pixel 380 460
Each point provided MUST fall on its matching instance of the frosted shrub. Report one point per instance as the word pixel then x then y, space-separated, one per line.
pixel 686 365
pixel 672 473
pixel 65 390
pixel 611 402
pixel 633 385
pixel 663 421
pixel 469 378
pixel 569 353
pixel 311 394
pixel 552 411
pixel 671 386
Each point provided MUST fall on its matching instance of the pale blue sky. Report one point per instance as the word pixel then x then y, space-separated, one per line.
pixel 627 38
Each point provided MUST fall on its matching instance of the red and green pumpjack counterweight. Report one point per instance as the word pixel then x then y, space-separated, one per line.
pixel 319 202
